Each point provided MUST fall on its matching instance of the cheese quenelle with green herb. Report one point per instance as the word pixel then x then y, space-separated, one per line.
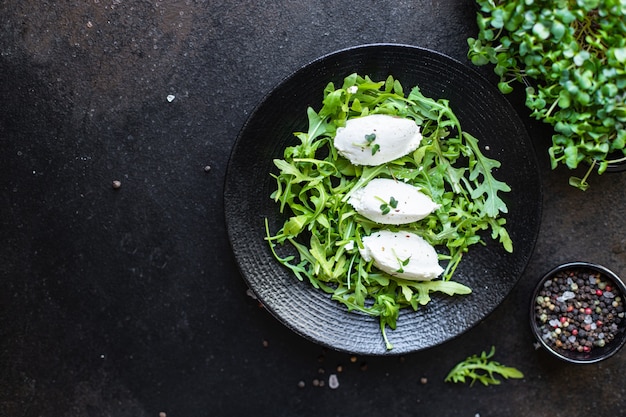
pixel 377 139
pixel 388 201
pixel 401 254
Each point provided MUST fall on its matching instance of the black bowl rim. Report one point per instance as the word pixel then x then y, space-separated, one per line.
pixel 569 265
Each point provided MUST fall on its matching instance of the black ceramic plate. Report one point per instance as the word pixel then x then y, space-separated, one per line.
pixel 488 270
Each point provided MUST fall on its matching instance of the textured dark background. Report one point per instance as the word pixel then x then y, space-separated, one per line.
pixel 128 302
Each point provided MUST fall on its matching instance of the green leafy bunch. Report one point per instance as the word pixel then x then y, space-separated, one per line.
pixel 571 55
pixel 483 369
pixel 322 230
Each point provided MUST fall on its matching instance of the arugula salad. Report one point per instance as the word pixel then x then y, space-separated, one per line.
pixel 322 238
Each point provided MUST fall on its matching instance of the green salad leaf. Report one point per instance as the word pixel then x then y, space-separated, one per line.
pixel 483 369
pixel 321 235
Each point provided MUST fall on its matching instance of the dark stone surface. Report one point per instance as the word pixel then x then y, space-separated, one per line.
pixel 127 302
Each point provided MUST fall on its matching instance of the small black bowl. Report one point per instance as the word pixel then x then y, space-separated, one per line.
pixel 577 312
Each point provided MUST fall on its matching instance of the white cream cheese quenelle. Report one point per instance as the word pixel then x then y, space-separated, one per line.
pixel 387 201
pixel 377 139
pixel 401 254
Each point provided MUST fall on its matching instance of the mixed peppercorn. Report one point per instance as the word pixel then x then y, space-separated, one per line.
pixel 578 310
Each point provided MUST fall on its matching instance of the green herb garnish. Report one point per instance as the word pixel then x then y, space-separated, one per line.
pixel 323 230
pixel 385 207
pixel 482 368
pixel 402 263
pixel 370 143
pixel 571 56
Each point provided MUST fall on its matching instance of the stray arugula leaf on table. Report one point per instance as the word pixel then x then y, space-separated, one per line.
pixel 483 369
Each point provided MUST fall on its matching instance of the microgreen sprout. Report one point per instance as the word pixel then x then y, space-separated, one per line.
pixel 402 263
pixel 370 138
pixel 386 207
pixel 571 58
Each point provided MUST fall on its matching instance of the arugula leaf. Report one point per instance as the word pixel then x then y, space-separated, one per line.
pixel 317 126
pixel 483 369
pixel 418 292
pixel 489 186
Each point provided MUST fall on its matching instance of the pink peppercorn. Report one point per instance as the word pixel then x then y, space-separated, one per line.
pixel 574 332
pixel 599 293
pixel 588 311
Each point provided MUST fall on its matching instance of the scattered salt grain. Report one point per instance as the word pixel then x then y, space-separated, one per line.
pixel 333 381
pixel 171 97
pixel 567 295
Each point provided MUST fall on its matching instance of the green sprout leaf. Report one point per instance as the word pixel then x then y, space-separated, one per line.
pixel 369 139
